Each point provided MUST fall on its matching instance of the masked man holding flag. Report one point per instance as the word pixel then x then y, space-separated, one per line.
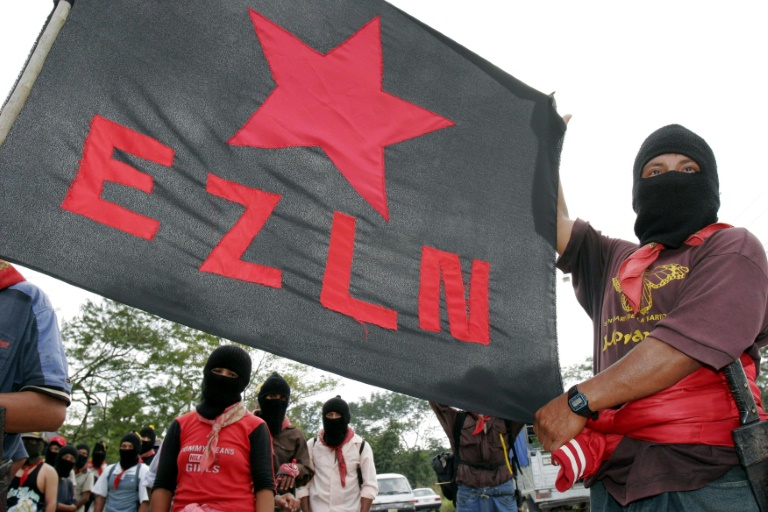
pixel 669 314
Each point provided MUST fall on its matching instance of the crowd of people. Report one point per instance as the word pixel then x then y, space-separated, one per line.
pixel 219 457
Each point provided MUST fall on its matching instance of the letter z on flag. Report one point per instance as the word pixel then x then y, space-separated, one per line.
pixel 330 181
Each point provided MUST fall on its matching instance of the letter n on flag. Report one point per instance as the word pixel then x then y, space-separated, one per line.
pixel 330 181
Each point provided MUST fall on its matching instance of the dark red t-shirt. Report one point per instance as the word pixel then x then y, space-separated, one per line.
pixel 710 302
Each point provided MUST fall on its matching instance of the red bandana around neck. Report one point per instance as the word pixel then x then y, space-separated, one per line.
pixel 9 276
pixel 480 425
pixel 231 414
pixel 340 454
pixel 632 270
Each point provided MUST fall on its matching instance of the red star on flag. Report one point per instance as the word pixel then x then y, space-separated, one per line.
pixel 334 101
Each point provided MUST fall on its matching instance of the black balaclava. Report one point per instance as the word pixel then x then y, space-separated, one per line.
pixel 672 206
pixel 64 467
pixel 50 456
pixel 35 445
pixel 150 433
pixel 129 458
pixel 273 411
pixel 82 460
pixel 219 392
pixel 335 431
pixel 99 454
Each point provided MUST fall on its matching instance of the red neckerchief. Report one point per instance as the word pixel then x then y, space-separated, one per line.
pixel 27 470
pixel 148 454
pixel 9 276
pixel 632 270
pixel 231 415
pixel 674 415
pixel 339 454
pixel 480 425
pixel 120 474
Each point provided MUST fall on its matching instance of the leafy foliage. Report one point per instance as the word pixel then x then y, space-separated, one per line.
pixel 578 372
pixel 130 369
pixel 762 378
pixel 403 434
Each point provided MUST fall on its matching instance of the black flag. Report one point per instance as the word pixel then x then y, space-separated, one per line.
pixel 332 182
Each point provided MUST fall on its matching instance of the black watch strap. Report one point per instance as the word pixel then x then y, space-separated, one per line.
pixel 579 403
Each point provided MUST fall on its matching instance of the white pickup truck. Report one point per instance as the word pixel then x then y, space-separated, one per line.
pixel 537 483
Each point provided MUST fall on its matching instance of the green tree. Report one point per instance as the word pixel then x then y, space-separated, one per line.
pixel 762 378
pixel 578 372
pixel 130 369
pixel 403 434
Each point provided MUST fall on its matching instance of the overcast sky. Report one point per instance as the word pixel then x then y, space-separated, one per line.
pixel 622 69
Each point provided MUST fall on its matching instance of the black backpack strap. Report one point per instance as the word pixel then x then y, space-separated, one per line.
pixel 359 469
pixel 458 424
pixel 511 440
pixel 516 461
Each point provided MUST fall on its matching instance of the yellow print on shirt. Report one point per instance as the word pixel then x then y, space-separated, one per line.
pixel 619 337
pixel 652 280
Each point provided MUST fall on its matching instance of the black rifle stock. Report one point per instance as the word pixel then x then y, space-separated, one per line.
pixel 751 438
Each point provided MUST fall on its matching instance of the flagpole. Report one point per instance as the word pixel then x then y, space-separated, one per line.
pixel 21 92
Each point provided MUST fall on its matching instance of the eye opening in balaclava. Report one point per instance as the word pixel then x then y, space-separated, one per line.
pixel 130 457
pixel 219 391
pixel 82 459
pixel 99 454
pixel 64 467
pixel 51 451
pixel 148 432
pixel 673 206
pixel 34 443
pixel 273 410
pixel 335 429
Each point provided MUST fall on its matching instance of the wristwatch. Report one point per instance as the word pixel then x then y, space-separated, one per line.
pixel 579 404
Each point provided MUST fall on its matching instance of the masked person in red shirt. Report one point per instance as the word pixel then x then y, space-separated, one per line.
pixel 218 457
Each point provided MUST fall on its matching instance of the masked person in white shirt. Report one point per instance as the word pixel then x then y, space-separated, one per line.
pixel 119 487
pixel 345 473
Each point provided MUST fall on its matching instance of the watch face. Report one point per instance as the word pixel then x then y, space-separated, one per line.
pixel 577 402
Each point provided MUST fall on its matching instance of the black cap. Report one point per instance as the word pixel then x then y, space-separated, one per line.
pixel 234 358
pixel 133 438
pixel 275 384
pixel 68 450
pixel 148 432
pixel 338 405
pixel 677 139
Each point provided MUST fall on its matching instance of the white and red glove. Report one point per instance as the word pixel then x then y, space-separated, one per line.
pixel 579 458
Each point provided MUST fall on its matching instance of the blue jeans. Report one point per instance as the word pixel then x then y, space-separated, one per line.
pixel 728 493
pixel 488 499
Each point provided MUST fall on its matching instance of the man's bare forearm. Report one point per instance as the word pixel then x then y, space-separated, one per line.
pixel 650 367
pixel 30 411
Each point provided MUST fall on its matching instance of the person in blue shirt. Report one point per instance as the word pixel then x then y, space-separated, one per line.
pixel 34 386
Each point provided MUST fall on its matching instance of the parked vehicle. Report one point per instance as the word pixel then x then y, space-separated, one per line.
pixel 427 499
pixel 395 494
pixel 537 483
